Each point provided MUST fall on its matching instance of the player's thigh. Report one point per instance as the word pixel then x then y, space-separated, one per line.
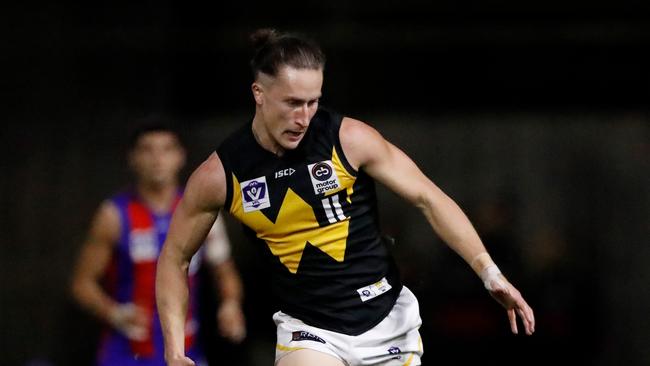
pixel 308 357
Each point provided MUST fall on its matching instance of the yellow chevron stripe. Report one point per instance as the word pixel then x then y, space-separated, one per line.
pixel 295 225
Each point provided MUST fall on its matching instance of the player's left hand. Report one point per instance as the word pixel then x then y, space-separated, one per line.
pixel 230 318
pixel 510 298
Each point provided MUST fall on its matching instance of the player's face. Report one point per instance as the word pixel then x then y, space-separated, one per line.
pixel 157 158
pixel 288 102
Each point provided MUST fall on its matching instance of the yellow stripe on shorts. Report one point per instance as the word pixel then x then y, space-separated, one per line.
pixel 287 349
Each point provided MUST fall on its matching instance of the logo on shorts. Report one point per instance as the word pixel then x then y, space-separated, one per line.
pixel 323 177
pixel 395 351
pixel 255 194
pixel 301 335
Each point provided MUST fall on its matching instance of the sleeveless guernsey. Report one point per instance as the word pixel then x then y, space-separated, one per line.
pixel 315 219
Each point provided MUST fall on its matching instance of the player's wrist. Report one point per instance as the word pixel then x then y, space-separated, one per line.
pixel 488 271
pixel 106 310
pixel 117 313
pixel 173 357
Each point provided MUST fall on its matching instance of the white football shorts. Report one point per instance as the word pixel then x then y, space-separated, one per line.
pixel 394 341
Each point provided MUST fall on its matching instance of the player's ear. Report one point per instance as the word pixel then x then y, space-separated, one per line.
pixel 258 93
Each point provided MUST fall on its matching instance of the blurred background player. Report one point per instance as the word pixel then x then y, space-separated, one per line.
pixel 115 272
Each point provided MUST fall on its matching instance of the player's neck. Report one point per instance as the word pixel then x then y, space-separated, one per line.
pixel 264 138
pixel 159 198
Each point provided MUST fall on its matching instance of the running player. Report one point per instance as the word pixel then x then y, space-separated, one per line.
pixel 301 179
pixel 122 250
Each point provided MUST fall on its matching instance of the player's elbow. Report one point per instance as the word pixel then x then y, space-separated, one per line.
pixel 424 200
pixel 171 258
pixel 79 289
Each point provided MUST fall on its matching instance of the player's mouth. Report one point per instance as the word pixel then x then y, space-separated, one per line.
pixel 294 135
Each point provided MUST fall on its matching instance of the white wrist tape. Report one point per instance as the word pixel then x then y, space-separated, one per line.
pixel 491 279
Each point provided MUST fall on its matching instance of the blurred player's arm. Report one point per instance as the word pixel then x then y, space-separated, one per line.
pixel 366 149
pixel 194 216
pixel 90 269
pixel 230 317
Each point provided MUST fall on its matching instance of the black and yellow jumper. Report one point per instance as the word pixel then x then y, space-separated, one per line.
pixel 315 218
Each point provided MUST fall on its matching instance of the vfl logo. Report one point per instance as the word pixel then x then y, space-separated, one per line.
pixel 323 177
pixel 301 335
pixel 254 194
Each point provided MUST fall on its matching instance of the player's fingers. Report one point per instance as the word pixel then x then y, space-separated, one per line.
pixel 531 317
pixel 527 316
pixel 525 321
pixel 513 321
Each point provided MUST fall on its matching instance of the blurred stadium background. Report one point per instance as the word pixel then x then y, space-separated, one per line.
pixel 533 115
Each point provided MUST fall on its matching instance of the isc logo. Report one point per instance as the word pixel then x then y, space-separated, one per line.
pixel 284 173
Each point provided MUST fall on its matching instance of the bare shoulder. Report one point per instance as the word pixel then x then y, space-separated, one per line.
pixel 359 141
pixel 106 224
pixel 207 184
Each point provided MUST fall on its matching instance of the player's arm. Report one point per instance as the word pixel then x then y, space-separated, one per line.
pixel 230 317
pixel 91 267
pixel 366 149
pixel 93 261
pixel 194 216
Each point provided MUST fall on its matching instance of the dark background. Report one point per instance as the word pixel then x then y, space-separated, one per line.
pixel 532 115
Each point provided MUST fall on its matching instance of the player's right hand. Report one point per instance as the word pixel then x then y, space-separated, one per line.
pixel 130 320
pixel 180 361
pixel 510 298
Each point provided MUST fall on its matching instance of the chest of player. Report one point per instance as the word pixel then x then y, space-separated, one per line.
pixel 144 236
pixel 321 185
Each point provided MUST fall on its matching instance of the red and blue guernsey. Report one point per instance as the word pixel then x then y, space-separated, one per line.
pixel 131 279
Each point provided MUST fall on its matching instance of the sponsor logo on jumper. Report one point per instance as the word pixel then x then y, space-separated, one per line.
pixel 371 291
pixel 321 171
pixel 143 245
pixel 284 173
pixel 302 335
pixel 254 194
pixel 323 177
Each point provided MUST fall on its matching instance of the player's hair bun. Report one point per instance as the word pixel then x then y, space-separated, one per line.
pixel 263 36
